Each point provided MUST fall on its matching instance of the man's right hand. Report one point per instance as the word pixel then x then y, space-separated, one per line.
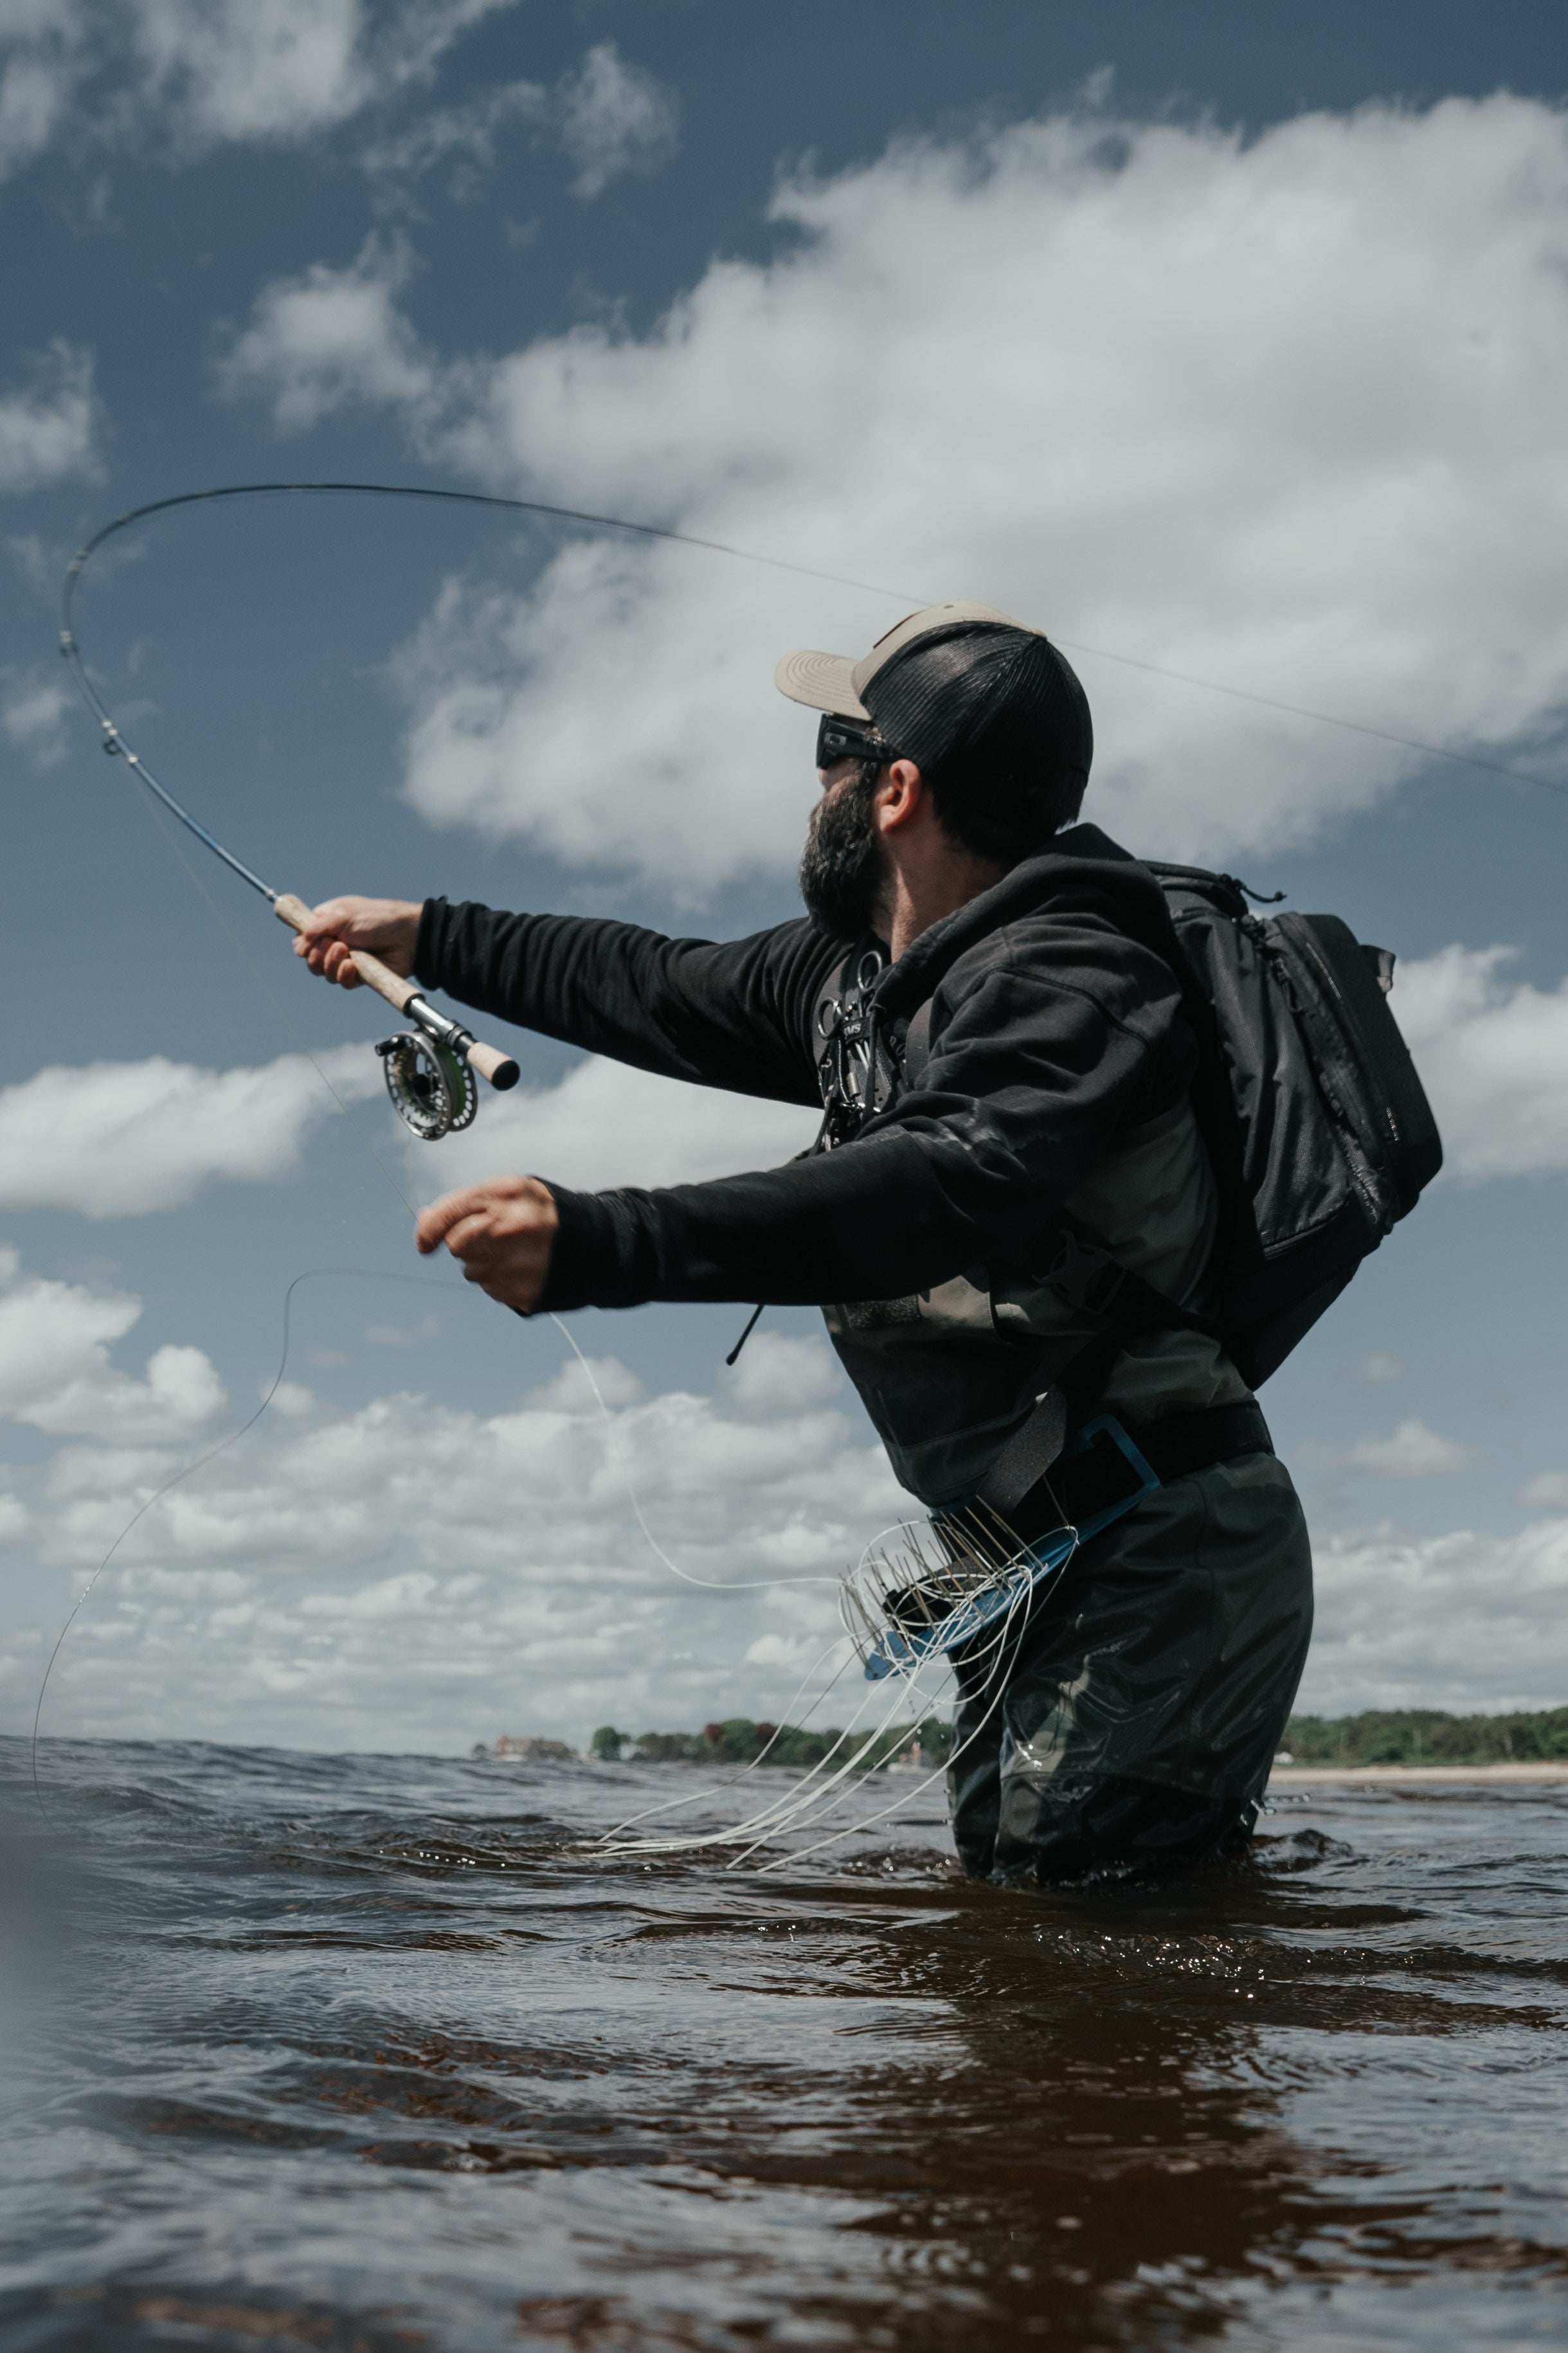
pixel 389 928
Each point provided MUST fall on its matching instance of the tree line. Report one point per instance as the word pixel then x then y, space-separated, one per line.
pixel 739 1741
pixel 1427 1736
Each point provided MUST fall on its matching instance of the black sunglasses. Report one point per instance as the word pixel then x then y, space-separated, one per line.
pixel 848 739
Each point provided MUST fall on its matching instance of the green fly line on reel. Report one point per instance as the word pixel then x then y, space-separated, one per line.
pixel 432 1088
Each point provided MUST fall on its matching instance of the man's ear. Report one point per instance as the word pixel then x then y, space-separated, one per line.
pixel 900 795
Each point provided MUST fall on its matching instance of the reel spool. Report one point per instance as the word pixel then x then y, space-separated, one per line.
pixel 433 1090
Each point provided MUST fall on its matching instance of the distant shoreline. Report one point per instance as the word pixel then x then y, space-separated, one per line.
pixel 1298 1776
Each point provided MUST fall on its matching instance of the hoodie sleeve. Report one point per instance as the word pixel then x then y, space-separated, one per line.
pixel 733 1014
pixel 1046 1040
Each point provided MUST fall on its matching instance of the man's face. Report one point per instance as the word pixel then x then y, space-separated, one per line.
pixel 842 869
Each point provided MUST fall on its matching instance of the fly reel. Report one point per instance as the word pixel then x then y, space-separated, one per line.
pixel 433 1090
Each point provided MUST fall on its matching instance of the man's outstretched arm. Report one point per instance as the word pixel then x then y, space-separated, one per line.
pixel 1029 1082
pixel 733 1014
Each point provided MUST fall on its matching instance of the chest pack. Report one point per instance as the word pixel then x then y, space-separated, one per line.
pixel 1319 1131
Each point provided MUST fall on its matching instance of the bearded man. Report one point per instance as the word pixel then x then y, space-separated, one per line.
pixel 985 996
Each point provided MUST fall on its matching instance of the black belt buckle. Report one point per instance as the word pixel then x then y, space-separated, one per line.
pixel 1133 1475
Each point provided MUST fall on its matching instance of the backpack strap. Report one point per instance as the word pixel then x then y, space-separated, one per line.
pixel 917 1044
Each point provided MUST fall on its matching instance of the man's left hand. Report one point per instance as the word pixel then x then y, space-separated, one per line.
pixel 501 1231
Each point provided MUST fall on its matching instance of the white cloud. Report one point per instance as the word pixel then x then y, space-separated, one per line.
pixel 1492 1057
pixel 183 76
pixel 789 1377
pixel 406 1574
pixel 328 337
pixel 605 1124
pixel 56 1373
pixel 512 758
pixel 1464 1621
pixel 253 69
pixel 1281 413
pixel 1413 1453
pixel 1378 1367
pixel 33 713
pixel 117 1139
pixel 189 74
pixel 615 118
pixel 460 139
pixel 584 1379
pixel 608 117
pixel 39 73
pixel 332 336
pixel 39 564
pixel 47 433
pixel 1546 1493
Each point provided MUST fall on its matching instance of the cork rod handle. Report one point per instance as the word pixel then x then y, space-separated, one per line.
pixel 491 1063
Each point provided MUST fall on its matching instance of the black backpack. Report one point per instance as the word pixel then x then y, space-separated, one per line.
pixel 1319 1128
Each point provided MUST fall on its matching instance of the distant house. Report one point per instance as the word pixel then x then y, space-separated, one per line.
pixel 526 1748
pixel 914 1757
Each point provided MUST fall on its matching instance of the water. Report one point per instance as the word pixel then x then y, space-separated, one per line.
pixel 369 2053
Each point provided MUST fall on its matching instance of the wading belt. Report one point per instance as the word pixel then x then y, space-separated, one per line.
pixel 1109 1464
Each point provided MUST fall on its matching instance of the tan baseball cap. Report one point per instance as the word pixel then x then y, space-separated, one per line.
pixel 834 682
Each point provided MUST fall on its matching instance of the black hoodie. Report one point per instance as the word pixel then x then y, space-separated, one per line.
pixel 1057 1031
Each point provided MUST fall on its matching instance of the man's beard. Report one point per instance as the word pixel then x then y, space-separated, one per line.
pixel 841 866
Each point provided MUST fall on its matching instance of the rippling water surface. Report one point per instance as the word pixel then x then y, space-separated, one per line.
pixel 374 2053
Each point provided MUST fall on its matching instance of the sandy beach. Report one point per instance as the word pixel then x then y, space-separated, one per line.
pixel 1297 1776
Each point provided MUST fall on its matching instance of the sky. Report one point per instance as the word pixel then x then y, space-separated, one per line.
pixel 1220 341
